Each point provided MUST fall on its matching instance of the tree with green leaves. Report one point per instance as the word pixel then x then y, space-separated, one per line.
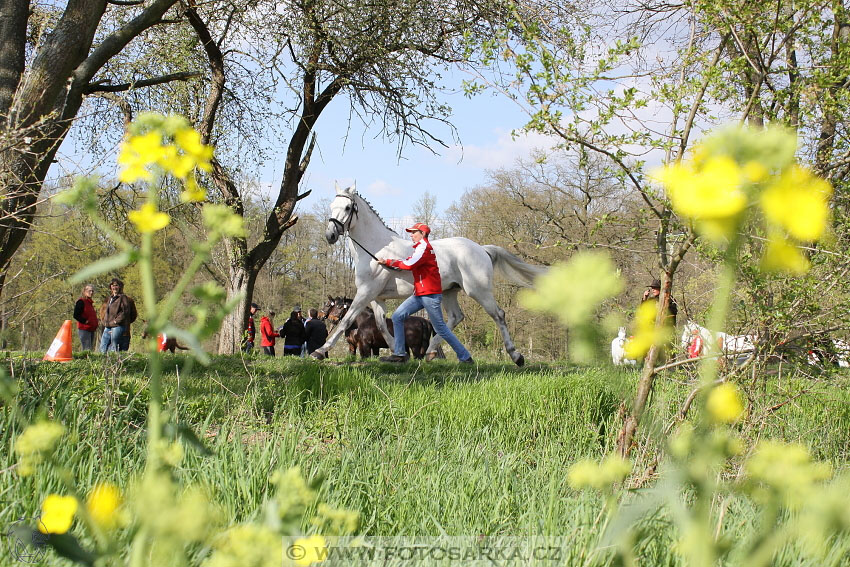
pixel 637 84
pixel 51 60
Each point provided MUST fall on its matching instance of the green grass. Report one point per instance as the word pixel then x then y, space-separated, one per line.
pixel 418 450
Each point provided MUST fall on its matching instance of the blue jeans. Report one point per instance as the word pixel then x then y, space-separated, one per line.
pixel 433 306
pixel 112 339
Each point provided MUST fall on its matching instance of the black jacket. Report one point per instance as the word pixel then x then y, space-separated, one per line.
pixel 317 334
pixel 293 333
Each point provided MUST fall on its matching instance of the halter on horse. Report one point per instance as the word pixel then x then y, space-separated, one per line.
pixel 463 265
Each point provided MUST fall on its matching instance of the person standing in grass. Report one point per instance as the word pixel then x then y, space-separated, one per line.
pixel 316 331
pixel 119 313
pixel 86 317
pixel 293 334
pixel 267 333
pixel 427 293
pixel 251 330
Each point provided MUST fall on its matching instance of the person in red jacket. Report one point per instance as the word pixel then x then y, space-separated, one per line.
pixel 427 293
pixel 267 333
pixel 86 317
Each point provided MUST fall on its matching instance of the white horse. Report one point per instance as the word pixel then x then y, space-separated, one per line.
pixel 618 349
pixel 464 265
pixel 699 341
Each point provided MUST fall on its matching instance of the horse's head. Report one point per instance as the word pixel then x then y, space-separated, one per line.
pixel 343 213
pixel 328 308
pixel 336 308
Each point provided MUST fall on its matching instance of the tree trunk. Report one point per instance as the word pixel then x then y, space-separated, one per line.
pixel 241 280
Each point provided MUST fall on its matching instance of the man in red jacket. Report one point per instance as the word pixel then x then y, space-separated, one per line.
pixel 427 293
pixel 268 333
pixel 86 317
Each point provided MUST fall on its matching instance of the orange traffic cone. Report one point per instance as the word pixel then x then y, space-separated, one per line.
pixel 60 348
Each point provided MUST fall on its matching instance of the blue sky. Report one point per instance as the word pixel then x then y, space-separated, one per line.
pixel 350 152
pixel 484 125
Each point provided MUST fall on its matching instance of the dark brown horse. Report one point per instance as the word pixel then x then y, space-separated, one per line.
pixel 363 335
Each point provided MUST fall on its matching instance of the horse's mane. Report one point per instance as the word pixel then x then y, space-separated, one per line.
pixel 371 208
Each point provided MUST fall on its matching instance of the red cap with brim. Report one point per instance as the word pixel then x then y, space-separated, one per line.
pixel 419 226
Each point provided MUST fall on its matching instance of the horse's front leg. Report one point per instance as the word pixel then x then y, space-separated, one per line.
pixel 380 309
pixel 362 298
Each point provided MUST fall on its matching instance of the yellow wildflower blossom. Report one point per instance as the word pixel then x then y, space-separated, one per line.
pixel 646 334
pixel 798 202
pixel 149 145
pixel 724 404
pixel 179 165
pixel 36 442
pixel 189 141
pixel 306 551
pixel 589 474
pixel 57 514
pixel 102 505
pixel 149 219
pixel 139 152
pixel 193 193
pixel 783 256
pixel 711 195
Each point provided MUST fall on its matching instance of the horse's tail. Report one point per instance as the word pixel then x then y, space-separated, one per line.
pixel 511 267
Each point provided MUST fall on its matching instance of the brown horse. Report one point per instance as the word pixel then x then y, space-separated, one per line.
pixel 363 335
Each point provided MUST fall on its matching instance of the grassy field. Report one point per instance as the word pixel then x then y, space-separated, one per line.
pixel 418 450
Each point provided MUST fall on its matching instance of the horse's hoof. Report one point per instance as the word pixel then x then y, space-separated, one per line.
pixel 318 355
pixel 430 356
pixel 520 361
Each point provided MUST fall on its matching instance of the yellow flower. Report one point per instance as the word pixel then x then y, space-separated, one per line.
pixel 783 256
pixel 139 152
pixel 142 151
pixel 102 505
pixel 57 514
pixel 313 549
pixel 148 219
pixel 711 195
pixel 587 473
pixel 180 165
pixel 36 442
pixel 193 192
pixel 755 172
pixel 190 142
pixel 798 202
pixel 724 404
pixel 646 334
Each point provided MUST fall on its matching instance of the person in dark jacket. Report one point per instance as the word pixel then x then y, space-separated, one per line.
pixel 86 317
pixel 293 334
pixel 427 293
pixel 316 331
pixel 653 293
pixel 119 313
pixel 267 334
pixel 250 330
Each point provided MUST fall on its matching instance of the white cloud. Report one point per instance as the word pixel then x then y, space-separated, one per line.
pixel 381 188
pixel 504 152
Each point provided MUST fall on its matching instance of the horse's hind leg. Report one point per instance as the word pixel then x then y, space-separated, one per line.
pixel 488 302
pixel 454 316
